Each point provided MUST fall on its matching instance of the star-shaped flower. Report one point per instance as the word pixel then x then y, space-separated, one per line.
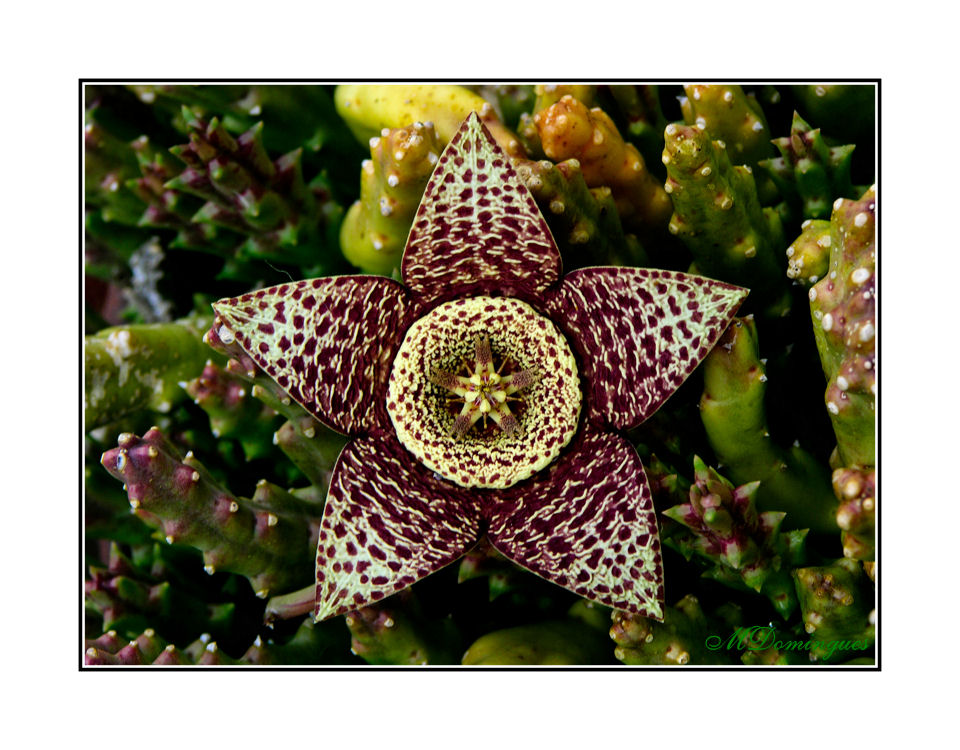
pixel 485 394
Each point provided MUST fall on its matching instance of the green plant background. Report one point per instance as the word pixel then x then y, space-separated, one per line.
pixel 199 192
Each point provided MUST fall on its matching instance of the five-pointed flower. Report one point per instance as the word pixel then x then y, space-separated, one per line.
pixel 485 394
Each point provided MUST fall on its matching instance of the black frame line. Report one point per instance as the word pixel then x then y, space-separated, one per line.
pixel 812 668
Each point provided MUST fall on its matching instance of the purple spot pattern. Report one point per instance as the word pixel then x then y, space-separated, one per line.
pixel 387 523
pixel 478 224
pixel 587 524
pixel 640 333
pixel 552 403
pixel 328 342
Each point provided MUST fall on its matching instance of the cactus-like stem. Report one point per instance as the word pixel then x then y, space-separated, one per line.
pixel 310 445
pixel 837 605
pixel 546 96
pixel 585 222
pixel 311 644
pixel 110 649
pixel 166 208
pixel 729 115
pixel 843 306
pixel 203 652
pixel 569 130
pixel 136 367
pixel 294 604
pixel 233 413
pixel 856 516
pixel 392 182
pixel 554 642
pixel 746 548
pixel 640 106
pixel 510 101
pixel 131 593
pixel 273 549
pixel 733 415
pixel 396 632
pixel 808 256
pixel 809 172
pixel 109 163
pixel 367 110
pixel 550 94
pixel 718 216
pixel 247 192
pixel 303 115
pixel 679 639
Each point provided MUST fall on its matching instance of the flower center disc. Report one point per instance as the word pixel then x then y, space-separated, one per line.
pixel 482 424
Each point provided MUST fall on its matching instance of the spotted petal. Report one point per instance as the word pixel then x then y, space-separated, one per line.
pixel 640 333
pixel 587 524
pixel 478 227
pixel 387 523
pixel 328 342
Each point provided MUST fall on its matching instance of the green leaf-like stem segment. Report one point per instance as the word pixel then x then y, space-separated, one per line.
pixel 484 391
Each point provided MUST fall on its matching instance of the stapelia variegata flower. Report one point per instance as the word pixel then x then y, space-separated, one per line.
pixel 485 394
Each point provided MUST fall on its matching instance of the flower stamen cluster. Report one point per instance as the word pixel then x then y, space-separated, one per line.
pixel 483 391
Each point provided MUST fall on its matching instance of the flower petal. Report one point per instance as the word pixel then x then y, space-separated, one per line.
pixel 478 226
pixel 387 523
pixel 640 333
pixel 328 342
pixel 588 524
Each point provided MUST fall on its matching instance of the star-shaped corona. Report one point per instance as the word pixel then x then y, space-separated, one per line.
pixel 484 391
pixel 484 395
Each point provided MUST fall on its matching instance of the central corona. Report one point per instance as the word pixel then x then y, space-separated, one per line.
pixel 484 391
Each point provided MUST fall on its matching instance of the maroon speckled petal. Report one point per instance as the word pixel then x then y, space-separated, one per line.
pixel 640 333
pixel 588 524
pixel 478 227
pixel 387 523
pixel 328 342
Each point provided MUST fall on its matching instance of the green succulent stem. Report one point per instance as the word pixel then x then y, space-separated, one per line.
pixel 680 639
pixel 584 221
pixel 731 116
pixel 132 368
pixel 367 110
pixel 746 549
pixel 843 311
pixel 397 632
pixel 274 548
pixel 837 602
pixel 733 414
pixel 717 215
pixel 810 173
pixel 808 256
pixel 392 182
